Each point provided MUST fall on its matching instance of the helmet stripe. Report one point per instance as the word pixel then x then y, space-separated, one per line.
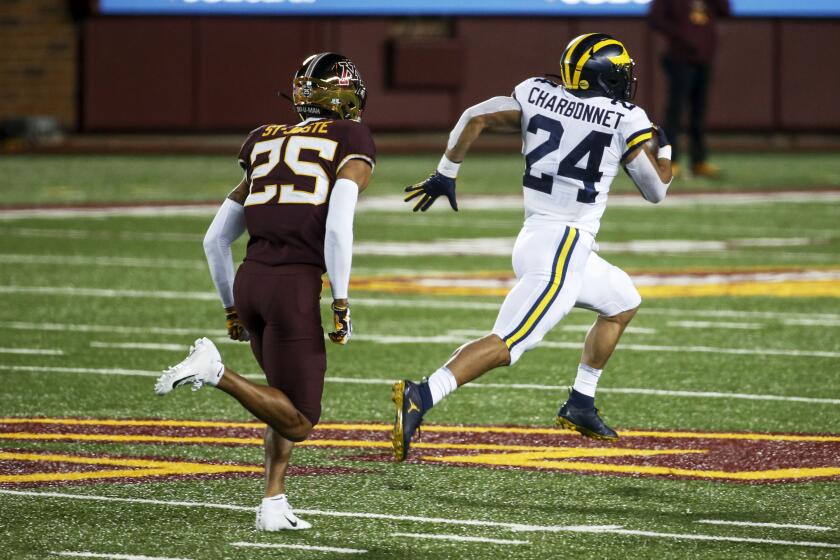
pixel 566 63
pixel 315 60
pixel 575 82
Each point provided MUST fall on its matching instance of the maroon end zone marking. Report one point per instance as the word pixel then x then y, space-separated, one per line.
pixel 59 468
pixel 735 453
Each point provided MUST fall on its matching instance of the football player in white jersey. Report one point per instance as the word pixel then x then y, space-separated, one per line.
pixel 576 134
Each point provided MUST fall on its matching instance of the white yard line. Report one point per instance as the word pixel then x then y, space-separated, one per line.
pixel 471 202
pixel 695 537
pixel 458 538
pixel 786 316
pixel 75 554
pixel 715 325
pixel 792 318
pixel 72 260
pixel 5 368
pixel 521 527
pixel 518 527
pixel 502 246
pixel 766 525
pixel 107 293
pixel 152 211
pixel 705 350
pixel 33 351
pixel 110 235
pixel 454 337
pixel 301 547
pixel 113 329
pixel 98 371
pixel 716 395
pixel 139 345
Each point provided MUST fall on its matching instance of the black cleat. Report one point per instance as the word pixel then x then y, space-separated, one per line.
pixel 409 408
pixel 586 421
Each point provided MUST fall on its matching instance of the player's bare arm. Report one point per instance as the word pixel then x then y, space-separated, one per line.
pixel 500 114
pixel 240 192
pixel 352 178
pixel 358 171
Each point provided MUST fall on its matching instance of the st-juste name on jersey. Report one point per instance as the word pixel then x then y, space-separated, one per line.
pixel 573 148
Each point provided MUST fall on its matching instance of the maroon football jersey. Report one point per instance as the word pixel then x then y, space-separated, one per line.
pixel 291 170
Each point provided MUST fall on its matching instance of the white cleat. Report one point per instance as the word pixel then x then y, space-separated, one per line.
pixel 202 365
pixel 275 514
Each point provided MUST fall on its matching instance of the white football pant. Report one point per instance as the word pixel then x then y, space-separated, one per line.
pixel 557 270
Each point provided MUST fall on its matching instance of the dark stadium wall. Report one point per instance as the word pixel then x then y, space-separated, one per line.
pixel 223 74
pixel 38 61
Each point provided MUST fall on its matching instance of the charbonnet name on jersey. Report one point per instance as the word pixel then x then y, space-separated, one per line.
pixel 574 109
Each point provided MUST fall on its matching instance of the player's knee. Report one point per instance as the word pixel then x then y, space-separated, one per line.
pixel 300 431
pixel 624 317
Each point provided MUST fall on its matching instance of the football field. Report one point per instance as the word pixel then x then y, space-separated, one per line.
pixel 724 389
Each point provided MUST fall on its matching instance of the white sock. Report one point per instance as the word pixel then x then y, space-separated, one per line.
pixel 441 383
pixel 216 377
pixel 587 380
pixel 276 498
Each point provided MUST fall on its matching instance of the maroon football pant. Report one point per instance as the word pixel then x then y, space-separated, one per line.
pixel 280 307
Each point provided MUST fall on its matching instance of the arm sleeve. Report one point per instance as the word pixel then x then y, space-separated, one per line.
pixel 647 180
pixel 492 105
pixel 226 227
pixel 635 129
pixel 338 240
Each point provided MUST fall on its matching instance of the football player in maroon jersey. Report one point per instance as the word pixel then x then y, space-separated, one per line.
pixel 297 201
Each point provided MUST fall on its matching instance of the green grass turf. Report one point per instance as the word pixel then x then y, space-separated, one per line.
pixel 43 179
pixel 31 527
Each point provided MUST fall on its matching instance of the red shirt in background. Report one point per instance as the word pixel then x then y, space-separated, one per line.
pixel 689 26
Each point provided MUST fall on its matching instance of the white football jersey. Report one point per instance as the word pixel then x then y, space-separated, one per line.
pixel 573 147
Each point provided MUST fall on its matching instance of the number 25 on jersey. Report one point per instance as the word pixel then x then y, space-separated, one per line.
pixel 289 193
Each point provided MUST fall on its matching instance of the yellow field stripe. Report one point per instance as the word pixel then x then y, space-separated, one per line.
pixel 557 279
pixel 543 460
pixel 810 288
pixel 805 288
pixel 376 427
pixel 131 422
pixel 136 468
pixel 624 433
pixel 122 438
pixel 427 445
pixel 118 438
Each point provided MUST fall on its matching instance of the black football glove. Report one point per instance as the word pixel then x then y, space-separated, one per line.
pixel 236 330
pixel 436 185
pixel 343 325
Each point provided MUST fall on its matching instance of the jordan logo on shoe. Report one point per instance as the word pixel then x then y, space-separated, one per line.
pixel 412 407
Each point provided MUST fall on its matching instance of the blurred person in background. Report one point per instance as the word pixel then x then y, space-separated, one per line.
pixel 690 28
